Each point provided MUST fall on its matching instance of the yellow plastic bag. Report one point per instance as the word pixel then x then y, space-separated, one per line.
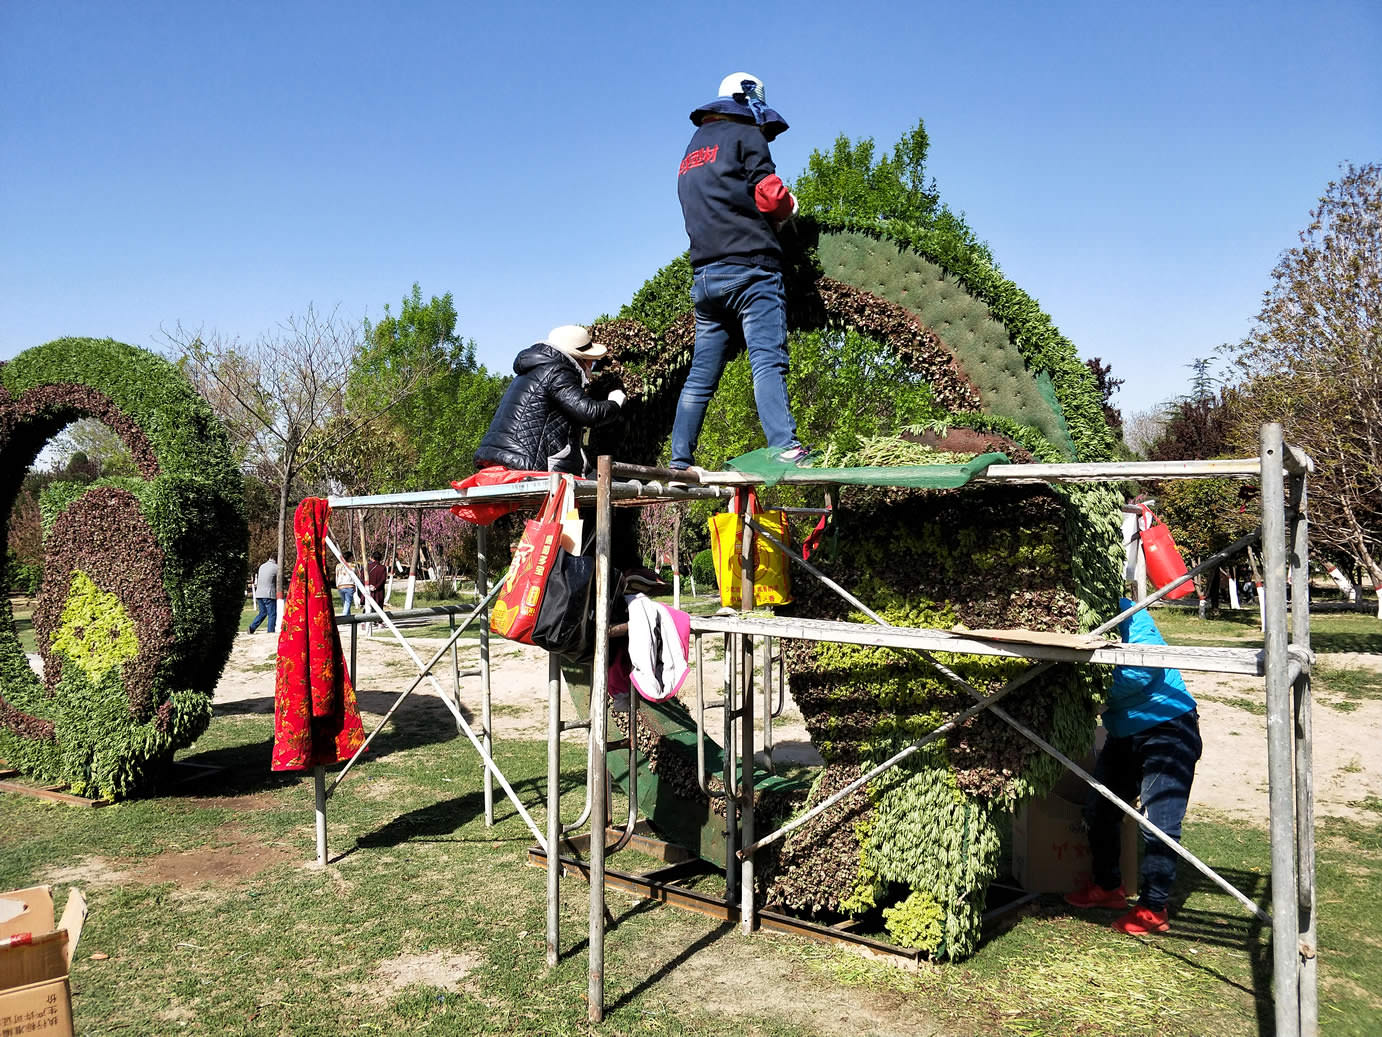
pixel 772 578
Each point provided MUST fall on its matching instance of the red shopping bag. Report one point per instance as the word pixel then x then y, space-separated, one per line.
pixel 514 612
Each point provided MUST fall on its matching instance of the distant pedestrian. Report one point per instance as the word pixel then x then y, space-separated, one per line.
pixel 345 582
pixel 377 578
pixel 266 595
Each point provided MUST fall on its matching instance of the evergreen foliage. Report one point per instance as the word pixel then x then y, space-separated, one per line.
pixel 143 579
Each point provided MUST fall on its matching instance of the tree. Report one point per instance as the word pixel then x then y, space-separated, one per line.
pixel 1107 386
pixel 848 185
pixel 449 399
pixel 1205 515
pixel 1195 428
pixel 274 393
pixel 1314 362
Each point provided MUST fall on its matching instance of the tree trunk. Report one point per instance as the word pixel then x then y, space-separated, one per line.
pixel 412 562
pixel 282 532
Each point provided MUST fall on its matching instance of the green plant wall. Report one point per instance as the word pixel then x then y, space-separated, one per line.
pixel 143 578
pixel 919 845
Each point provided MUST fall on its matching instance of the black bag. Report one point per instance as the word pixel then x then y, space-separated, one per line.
pixel 566 617
pixel 565 620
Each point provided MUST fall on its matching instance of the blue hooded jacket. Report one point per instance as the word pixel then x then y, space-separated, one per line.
pixel 1143 697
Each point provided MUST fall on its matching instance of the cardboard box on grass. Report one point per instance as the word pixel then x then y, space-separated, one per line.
pixel 35 957
pixel 1051 848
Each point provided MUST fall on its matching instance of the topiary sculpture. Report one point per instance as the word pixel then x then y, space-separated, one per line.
pixel 143 578
pixel 921 843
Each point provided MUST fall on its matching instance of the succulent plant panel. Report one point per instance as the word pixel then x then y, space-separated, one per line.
pixel 143 577
pixel 920 843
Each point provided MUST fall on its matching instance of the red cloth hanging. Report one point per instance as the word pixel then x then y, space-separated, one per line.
pixel 482 513
pixel 316 718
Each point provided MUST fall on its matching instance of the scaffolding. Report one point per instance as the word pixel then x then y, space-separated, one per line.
pixel 1283 661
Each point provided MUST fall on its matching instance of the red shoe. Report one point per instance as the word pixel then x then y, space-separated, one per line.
pixel 1091 894
pixel 1143 920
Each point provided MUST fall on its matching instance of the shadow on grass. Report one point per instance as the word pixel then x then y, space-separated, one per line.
pixel 667 968
pixel 231 770
pixel 1346 641
pixel 1231 927
pixel 243 768
pixel 440 822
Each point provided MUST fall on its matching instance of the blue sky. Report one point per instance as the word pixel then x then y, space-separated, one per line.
pixel 1137 169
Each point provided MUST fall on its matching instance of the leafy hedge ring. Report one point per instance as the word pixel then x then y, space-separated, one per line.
pixel 143 578
pixel 921 843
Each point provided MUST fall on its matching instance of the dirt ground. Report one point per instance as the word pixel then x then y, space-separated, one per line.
pixel 1231 777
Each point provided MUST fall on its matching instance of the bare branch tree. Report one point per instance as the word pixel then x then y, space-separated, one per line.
pixel 1314 362
pixel 280 391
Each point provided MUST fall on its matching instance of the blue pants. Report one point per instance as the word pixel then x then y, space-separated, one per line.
pixel 347 599
pixel 736 304
pixel 1158 764
pixel 268 609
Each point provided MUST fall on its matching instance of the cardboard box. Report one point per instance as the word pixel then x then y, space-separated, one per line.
pixel 1050 847
pixel 35 957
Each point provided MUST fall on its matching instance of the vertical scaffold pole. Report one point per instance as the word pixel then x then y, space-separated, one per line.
pixel 354 673
pixel 319 780
pixel 744 662
pixel 1299 529
pixel 553 808
pixel 599 679
pixel 1280 732
pixel 486 735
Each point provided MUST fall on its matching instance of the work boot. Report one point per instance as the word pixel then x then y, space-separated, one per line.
pixel 1142 919
pixel 1091 894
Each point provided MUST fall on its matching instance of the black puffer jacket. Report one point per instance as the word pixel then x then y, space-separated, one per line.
pixel 543 415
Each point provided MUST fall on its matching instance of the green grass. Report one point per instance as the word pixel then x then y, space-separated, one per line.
pixel 1329 631
pixel 416 874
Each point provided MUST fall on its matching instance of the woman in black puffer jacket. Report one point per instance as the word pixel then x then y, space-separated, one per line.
pixel 545 411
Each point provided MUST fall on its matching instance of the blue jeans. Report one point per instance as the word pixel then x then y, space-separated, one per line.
pixel 1158 764
pixel 347 599
pixel 268 609
pixel 736 304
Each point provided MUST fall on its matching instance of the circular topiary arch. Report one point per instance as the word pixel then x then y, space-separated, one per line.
pixel 921 843
pixel 143 577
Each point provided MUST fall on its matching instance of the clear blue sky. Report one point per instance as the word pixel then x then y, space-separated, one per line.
pixel 1135 168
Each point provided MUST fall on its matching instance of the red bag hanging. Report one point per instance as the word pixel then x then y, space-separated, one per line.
pixel 1164 562
pixel 514 612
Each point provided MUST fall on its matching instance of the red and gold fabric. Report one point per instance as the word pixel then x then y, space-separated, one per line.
pixel 316 718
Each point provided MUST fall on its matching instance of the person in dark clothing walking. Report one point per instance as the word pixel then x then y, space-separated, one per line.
pixel 376 578
pixel 541 421
pixel 733 202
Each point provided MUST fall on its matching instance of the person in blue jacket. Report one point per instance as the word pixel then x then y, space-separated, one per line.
pixel 733 203
pixel 1152 748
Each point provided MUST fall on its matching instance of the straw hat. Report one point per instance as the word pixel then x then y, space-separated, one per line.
pixel 574 340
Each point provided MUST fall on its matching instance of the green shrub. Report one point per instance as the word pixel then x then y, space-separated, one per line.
pixel 703 570
pixel 143 576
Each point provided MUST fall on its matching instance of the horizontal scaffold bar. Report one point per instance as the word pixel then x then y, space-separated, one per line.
pixel 532 490
pixel 1113 653
pixel 717 484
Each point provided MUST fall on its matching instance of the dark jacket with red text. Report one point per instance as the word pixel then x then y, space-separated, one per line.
pixel 730 194
pixel 542 417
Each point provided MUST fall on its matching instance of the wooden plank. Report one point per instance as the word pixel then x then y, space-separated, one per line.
pixel 1212 660
pixel 53 794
